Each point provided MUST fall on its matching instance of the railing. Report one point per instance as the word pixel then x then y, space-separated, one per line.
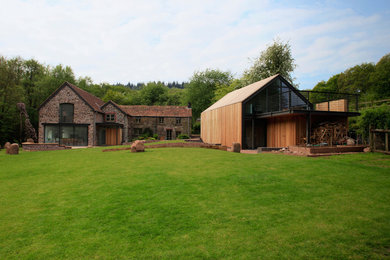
pixel 332 101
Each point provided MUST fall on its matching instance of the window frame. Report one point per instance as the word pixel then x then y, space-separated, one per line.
pixel 61 110
pixel 110 117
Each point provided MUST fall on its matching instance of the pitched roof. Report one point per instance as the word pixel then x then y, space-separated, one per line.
pixel 240 95
pixel 94 102
pixel 160 111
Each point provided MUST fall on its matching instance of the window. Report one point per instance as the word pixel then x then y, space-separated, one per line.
pixel 51 134
pixel 178 120
pixel 137 131
pixel 66 113
pixel 110 117
pixel 72 135
pixel 161 120
pixel 138 120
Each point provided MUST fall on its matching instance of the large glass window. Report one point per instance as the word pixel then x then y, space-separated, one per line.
pixel 66 113
pixel 67 135
pixel 71 135
pixel 80 136
pixel 51 134
pixel 276 97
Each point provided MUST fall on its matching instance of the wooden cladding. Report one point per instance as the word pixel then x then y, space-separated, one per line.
pixel 340 105
pixel 286 131
pixel 113 136
pixel 222 125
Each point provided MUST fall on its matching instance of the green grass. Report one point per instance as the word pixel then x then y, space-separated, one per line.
pixel 193 203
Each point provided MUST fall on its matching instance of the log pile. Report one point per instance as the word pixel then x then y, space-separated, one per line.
pixel 329 133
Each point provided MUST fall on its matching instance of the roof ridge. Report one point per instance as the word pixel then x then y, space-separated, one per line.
pixel 241 94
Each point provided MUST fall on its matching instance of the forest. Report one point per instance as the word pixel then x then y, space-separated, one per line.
pixel 31 82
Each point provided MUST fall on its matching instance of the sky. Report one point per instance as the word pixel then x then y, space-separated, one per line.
pixel 168 40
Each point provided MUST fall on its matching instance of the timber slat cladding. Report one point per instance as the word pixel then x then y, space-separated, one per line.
pixel 113 136
pixel 285 131
pixel 340 105
pixel 223 125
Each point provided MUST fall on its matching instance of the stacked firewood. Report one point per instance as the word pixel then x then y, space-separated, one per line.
pixel 329 133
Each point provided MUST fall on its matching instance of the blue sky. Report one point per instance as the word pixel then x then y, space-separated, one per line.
pixel 140 41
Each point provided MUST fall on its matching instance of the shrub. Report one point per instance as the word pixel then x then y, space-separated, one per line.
pixel 155 136
pixel 377 117
pixel 196 128
pixel 183 136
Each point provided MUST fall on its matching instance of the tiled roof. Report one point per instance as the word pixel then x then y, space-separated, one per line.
pixel 93 101
pixel 240 95
pixel 160 111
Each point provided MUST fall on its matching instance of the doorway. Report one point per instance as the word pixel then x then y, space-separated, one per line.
pixel 169 134
pixel 255 133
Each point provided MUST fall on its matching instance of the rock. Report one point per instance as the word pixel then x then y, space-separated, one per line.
pixel 236 148
pixel 13 149
pixel 137 146
pixel 30 140
pixel 367 150
pixel 350 141
pixel 6 146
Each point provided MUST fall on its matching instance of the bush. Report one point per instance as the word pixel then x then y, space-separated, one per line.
pixel 183 136
pixel 155 136
pixel 377 117
pixel 196 128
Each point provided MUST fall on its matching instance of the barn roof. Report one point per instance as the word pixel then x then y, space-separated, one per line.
pixel 94 102
pixel 240 95
pixel 158 111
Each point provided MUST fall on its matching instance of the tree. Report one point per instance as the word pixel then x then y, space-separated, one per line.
pixel 276 59
pixel 200 90
pixel 330 86
pixel 222 90
pixel 380 79
pixel 11 93
pixel 356 79
pixel 154 94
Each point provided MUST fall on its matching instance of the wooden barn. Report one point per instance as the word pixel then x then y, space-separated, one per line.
pixel 273 113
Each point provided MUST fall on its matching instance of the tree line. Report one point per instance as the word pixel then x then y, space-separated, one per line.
pixel 31 82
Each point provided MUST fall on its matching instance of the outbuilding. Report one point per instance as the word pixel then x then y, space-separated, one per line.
pixel 273 113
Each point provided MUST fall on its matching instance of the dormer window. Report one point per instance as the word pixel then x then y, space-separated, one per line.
pixel 110 117
pixel 66 113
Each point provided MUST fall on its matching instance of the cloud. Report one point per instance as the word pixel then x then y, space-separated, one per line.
pixel 135 41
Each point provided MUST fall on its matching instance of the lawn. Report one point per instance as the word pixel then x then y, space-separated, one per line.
pixel 193 203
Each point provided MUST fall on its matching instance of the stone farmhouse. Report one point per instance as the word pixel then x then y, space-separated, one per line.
pixel 73 117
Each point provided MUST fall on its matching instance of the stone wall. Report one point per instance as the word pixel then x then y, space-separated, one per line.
pixel 83 114
pixel 120 118
pixel 184 127
pixel 29 147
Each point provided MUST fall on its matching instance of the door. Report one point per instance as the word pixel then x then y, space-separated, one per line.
pixel 102 136
pixel 112 136
pixel 169 134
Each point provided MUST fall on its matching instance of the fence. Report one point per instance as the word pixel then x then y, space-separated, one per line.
pixel 379 140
